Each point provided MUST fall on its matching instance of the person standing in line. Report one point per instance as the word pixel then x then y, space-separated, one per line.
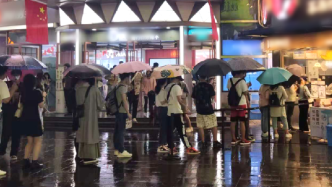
pixel 263 107
pixel 87 135
pixel 149 84
pixel 137 79
pixel 69 92
pixel 5 97
pixel 304 95
pixel 241 89
pixel 290 102
pixel 175 114
pixel 279 110
pixel 11 128
pixel 206 118
pixel 185 93
pixel 121 117
pixel 32 101
pixel 161 104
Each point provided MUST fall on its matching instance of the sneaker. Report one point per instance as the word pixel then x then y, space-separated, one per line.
pixel 276 135
pixel 135 120
pixel 163 149
pixel 116 152
pixel 289 135
pixel 217 145
pixel 251 139
pixel 36 165
pixel 124 154
pixel 245 142
pixel 26 164
pixel 265 135
pixel 235 142
pixel 13 158
pixel 2 173
pixel 192 151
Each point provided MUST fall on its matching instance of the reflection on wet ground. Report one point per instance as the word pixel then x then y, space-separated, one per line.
pixel 295 163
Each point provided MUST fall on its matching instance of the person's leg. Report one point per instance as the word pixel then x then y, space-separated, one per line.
pixel 275 124
pixel 6 134
pixel 215 134
pixel 116 132
pixel 178 122
pixel 163 124
pixel 289 113
pixel 264 119
pixel 233 124
pixel 121 130
pixel 28 147
pixel 135 105
pixel 201 134
pixel 16 138
pixel 243 130
pixel 37 144
pixel 234 120
pixel 145 104
pixel 170 127
pixel 306 127
pixel 67 100
pixel 200 125
pixel 284 121
pixel 303 117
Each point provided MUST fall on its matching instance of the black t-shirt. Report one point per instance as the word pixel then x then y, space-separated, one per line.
pixel 30 106
pixel 203 93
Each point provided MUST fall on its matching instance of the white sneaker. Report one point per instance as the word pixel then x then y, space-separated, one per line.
pixel 13 158
pixel 163 149
pixel 124 154
pixel 2 173
pixel 276 135
pixel 289 135
pixel 265 135
pixel 135 120
pixel 116 152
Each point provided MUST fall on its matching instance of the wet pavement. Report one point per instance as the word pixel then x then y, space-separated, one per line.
pixel 283 163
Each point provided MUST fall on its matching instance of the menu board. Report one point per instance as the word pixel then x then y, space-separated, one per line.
pixel 312 71
pixel 318 89
pixel 319 118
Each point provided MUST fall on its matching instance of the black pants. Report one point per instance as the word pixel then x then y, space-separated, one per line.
pixel 176 122
pixel 11 129
pixel 69 98
pixel 135 105
pixel 151 100
pixel 303 120
pixel 289 112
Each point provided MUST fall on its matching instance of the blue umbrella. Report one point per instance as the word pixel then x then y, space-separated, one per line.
pixel 274 76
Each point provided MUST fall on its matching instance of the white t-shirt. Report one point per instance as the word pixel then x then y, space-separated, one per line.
pixel 160 98
pixel 4 92
pixel 174 106
pixel 240 88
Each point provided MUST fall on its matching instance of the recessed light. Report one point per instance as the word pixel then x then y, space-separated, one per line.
pixel 168 27
pixel 94 29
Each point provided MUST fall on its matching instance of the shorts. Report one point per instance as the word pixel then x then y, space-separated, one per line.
pixel 206 121
pixel 238 115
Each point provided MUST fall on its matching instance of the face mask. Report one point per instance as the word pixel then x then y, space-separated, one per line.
pixel 17 77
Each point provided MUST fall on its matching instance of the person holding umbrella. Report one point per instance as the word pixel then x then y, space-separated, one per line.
pixel 304 95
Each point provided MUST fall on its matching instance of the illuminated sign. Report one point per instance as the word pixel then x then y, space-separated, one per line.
pixel 200 34
pixel 133 37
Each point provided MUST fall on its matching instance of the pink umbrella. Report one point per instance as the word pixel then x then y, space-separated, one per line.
pixel 130 67
pixel 295 69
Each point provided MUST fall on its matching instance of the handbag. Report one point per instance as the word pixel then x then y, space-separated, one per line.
pixel 129 124
pixel 80 109
pixel 19 109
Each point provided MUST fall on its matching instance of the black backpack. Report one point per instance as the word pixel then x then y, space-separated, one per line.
pixel 274 99
pixel 233 97
pixel 112 105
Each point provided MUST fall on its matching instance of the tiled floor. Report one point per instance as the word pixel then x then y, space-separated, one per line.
pixel 295 163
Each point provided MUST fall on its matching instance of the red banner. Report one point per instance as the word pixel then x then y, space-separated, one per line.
pixel 36 21
pixel 213 24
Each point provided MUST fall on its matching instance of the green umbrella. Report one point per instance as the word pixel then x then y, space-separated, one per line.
pixel 274 76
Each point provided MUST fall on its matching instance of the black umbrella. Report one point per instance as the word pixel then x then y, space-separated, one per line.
pixel 293 79
pixel 211 68
pixel 83 71
pixel 21 62
pixel 245 64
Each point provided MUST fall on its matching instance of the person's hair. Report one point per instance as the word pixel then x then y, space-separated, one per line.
pixel 16 72
pixel 235 73
pixel 202 77
pixel 67 65
pixel 91 81
pixel 3 70
pixel 156 64
pixel 274 86
pixel 47 74
pixel 29 83
pixel 124 76
pixel 121 62
pixel 160 83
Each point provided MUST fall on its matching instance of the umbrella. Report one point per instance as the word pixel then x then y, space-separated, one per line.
pixel 211 68
pixel 21 62
pixel 274 76
pixel 170 71
pixel 86 71
pixel 291 81
pixel 295 69
pixel 245 64
pixel 130 67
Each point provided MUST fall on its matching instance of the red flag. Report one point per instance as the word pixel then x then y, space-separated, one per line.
pixel 213 24
pixel 36 21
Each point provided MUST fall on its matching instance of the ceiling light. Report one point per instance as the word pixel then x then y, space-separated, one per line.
pixel 94 29
pixel 168 27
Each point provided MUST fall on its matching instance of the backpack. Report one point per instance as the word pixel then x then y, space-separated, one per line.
pixel 233 96
pixel 112 105
pixel 169 92
pixel 274 99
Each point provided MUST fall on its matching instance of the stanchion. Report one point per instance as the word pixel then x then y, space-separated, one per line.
pixel 171 156
pixel 269 126
pixel 223 128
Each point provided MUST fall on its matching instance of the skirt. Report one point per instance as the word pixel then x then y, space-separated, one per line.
pixel 89 151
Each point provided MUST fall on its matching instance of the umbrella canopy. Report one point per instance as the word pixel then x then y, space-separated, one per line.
pixel 131 67
pixel 84 71
pixel 211 68
pixel 245 64
pixel 21 62
pixel 274 76
pixel 170 71
pixel 295 69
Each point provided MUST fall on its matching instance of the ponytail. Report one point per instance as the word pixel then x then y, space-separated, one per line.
pixel 160 83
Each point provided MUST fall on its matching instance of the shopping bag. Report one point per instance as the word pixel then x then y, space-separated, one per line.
pixel 129 123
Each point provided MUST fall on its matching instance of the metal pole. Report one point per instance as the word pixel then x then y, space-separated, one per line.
pixel 268 124
pixel 223 129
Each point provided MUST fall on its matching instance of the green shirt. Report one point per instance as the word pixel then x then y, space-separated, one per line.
pixel 121 89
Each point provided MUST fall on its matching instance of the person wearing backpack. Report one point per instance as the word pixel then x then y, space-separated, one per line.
pixel 175 114
pixel 121 116
pixel 238 99
pixel 277 97
pixel 304 95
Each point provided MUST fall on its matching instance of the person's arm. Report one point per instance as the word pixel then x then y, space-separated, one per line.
pixel 180 100
pixel 307 92
pixel 125 104
pixel 8 94
pixel 284 93
pixel 245 92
